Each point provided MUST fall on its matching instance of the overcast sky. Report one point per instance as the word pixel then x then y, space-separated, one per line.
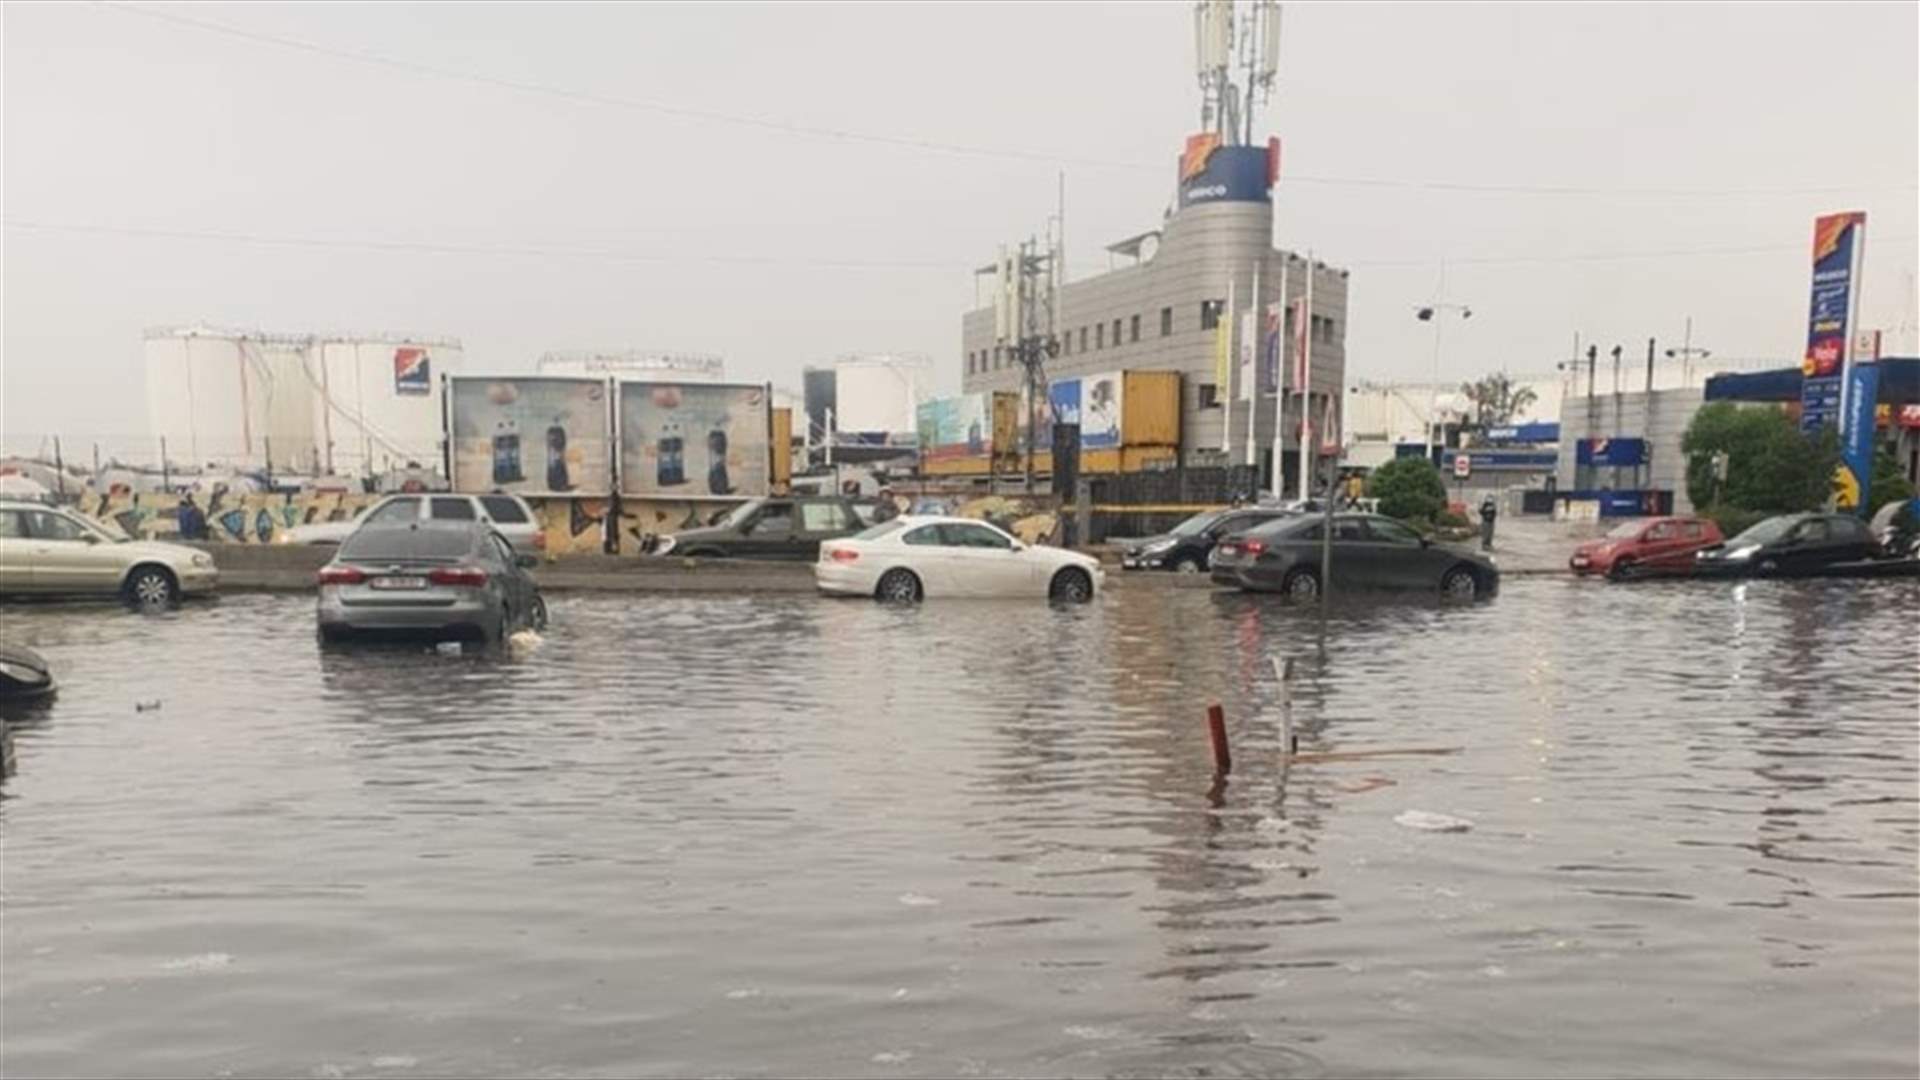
pixel 439 192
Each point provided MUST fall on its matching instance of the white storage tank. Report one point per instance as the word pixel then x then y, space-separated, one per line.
pixel 301 403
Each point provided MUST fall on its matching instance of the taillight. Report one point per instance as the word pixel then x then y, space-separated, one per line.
pixel 844 554
pixel 469 576
pixel 341 575
pixel 1252 547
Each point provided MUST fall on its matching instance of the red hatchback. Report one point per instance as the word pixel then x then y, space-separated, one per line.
pixel 1655 545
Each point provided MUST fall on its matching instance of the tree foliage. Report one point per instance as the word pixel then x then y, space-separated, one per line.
pixel 1888 483
pixel 1495 401
pixel 1409 488
pixel 1771 467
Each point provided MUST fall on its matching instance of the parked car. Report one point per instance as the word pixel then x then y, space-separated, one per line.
pixel 49 550
pixel 24 674
pixel 1369 552
pixel 443 577
pixel 1896 527
pixel 913 557
pixel 778 527
pixel 508 514
pixel 1184 548
pixel 1791 545
pixel 1659 545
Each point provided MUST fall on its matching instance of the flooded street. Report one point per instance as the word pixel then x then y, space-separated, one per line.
pixel 790 836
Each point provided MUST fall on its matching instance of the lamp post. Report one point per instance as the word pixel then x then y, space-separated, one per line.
pixel 1431 313
pixel 1686 352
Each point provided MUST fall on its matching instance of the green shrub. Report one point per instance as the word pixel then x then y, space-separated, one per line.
pixel 1734 521
pixel 1409 489
pixel 1771 466
pixel 1451 519
pixel 1887 484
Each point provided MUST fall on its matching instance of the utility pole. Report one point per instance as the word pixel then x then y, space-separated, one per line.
pixel 1686 352
pixel 1025 314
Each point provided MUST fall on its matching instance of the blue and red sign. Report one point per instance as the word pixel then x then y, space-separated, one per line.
pixel 1856 437
pixel 411 372
pixel 1211 172
pixel 1839 240
pixel 1614 452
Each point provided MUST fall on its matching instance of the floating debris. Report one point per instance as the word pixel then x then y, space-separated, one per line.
pixel 1428 821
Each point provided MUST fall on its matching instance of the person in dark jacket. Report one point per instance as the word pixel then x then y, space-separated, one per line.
pixel 193 523
pixel 1488 511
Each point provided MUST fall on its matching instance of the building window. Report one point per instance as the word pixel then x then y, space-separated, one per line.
pixel 1116 333
pixel 1066 343
pixel 1209 396
pixel 973 362
pixel 996 358
pixel 1210 313
pixel 1083 339
pixel 1166 322
pixel 1290 321
pixel 1100 335
pixel 1328 324
pixel 1133 329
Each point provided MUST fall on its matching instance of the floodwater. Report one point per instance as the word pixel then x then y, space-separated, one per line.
pixel 789 836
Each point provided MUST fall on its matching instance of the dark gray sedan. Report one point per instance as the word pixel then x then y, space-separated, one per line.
pixel 457 578
pixel 1369 552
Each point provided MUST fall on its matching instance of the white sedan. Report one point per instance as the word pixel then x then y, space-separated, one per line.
pixel 912 557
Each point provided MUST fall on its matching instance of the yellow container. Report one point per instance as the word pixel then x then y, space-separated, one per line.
pixel 1150 409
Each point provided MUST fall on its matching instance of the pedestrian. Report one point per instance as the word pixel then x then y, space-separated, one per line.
pixel 193 523
pixel 1488 511
pixel 1355 488
pixel 887 509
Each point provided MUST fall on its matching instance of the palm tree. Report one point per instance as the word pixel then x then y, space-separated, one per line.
pixel 1496 402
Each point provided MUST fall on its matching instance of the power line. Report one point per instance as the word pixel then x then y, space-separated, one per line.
pixel 614 255
pixel 934 145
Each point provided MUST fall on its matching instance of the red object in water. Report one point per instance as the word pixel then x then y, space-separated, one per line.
pixel 470 576
pixel 1217 733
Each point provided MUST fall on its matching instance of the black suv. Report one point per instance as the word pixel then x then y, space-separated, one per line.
pixel 788 528
pixel 1186 547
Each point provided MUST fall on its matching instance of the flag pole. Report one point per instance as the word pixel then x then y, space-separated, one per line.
pixel 1250 374
pixel 1223 373
pixel 1306 384
pixel 1280 386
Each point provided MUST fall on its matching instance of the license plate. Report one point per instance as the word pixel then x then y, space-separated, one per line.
pixel 399 583
pixel 1579 560
pixel 1129 563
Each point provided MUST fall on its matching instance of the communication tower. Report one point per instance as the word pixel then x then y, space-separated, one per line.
pixel 1229 36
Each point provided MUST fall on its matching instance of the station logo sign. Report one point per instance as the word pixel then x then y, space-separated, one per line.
pixel 412 372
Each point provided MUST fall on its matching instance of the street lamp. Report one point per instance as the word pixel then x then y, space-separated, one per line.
pixel 1686 352
pixel 1431 313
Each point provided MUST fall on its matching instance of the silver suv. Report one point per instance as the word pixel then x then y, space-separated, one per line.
pixel 509 515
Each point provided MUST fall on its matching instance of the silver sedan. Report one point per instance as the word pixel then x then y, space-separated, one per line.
pixel 456 578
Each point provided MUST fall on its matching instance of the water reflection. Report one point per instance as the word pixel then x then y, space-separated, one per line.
pixel 723 835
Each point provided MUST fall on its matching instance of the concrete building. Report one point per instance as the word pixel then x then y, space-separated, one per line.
pixel 1162 314
pixel 1638 443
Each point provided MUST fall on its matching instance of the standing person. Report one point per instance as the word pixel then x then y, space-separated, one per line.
pixel 1355 488
pixel 887 509
pixel 1488 511
pixel 193 523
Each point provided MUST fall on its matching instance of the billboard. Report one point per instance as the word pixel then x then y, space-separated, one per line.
pixel 1064 397
pixel 694 440
pixel 530 436
pixel 1100 402
pixel 411 371
pixel 1210 172
pixel 1839 242
pixel 1855 471
pixel 955 427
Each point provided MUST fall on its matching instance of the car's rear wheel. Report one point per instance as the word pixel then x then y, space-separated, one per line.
pixel 1188 565
pixel 152 586
pixel 537 615
pixel 1460 584
pixel 899 587
pixel 1621 569
pixel 1071 586
pixel 1301 584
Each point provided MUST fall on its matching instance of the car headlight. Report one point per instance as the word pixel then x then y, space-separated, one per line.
pixel 1744 552
pixel 203 560
pixel 1156 547
pixel 663 545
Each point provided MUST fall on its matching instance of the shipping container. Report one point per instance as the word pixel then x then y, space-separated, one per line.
pixel 1150 409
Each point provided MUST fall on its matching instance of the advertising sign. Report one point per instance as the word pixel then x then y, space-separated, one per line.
pixel 1271 341
pixel 1855 471
pixel 1063 395
pixel 694 439
pixel 1302 341
pixel 1224 174
pixel 530 436
pixel 1603 452
pixel 1100 410
pixel 955 427
pixel 1249 350
pixel 411 374
pixel 1839 242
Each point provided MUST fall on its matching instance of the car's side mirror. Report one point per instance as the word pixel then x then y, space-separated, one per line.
pixel 1426 541
pixel 525 562
pixel 1017 546
pixel 89 538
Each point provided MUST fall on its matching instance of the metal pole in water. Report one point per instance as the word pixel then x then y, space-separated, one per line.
pixel 1217 734
pixel 1283 670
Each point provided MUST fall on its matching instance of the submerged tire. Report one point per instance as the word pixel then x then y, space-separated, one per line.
pixel 1459 584
pixel 1187 565
pixel 1301 583
pixel 152 586
pixel 1621 570
pixel 1071 586
pixel 899 587
pixel 537 615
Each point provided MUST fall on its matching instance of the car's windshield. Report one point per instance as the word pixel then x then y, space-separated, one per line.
pixel 1765 533
pixel 741 513
pixel 1198 523
pixel 1624 532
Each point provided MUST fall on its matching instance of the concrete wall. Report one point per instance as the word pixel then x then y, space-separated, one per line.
pixel 1660 417
pixel 1201 248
